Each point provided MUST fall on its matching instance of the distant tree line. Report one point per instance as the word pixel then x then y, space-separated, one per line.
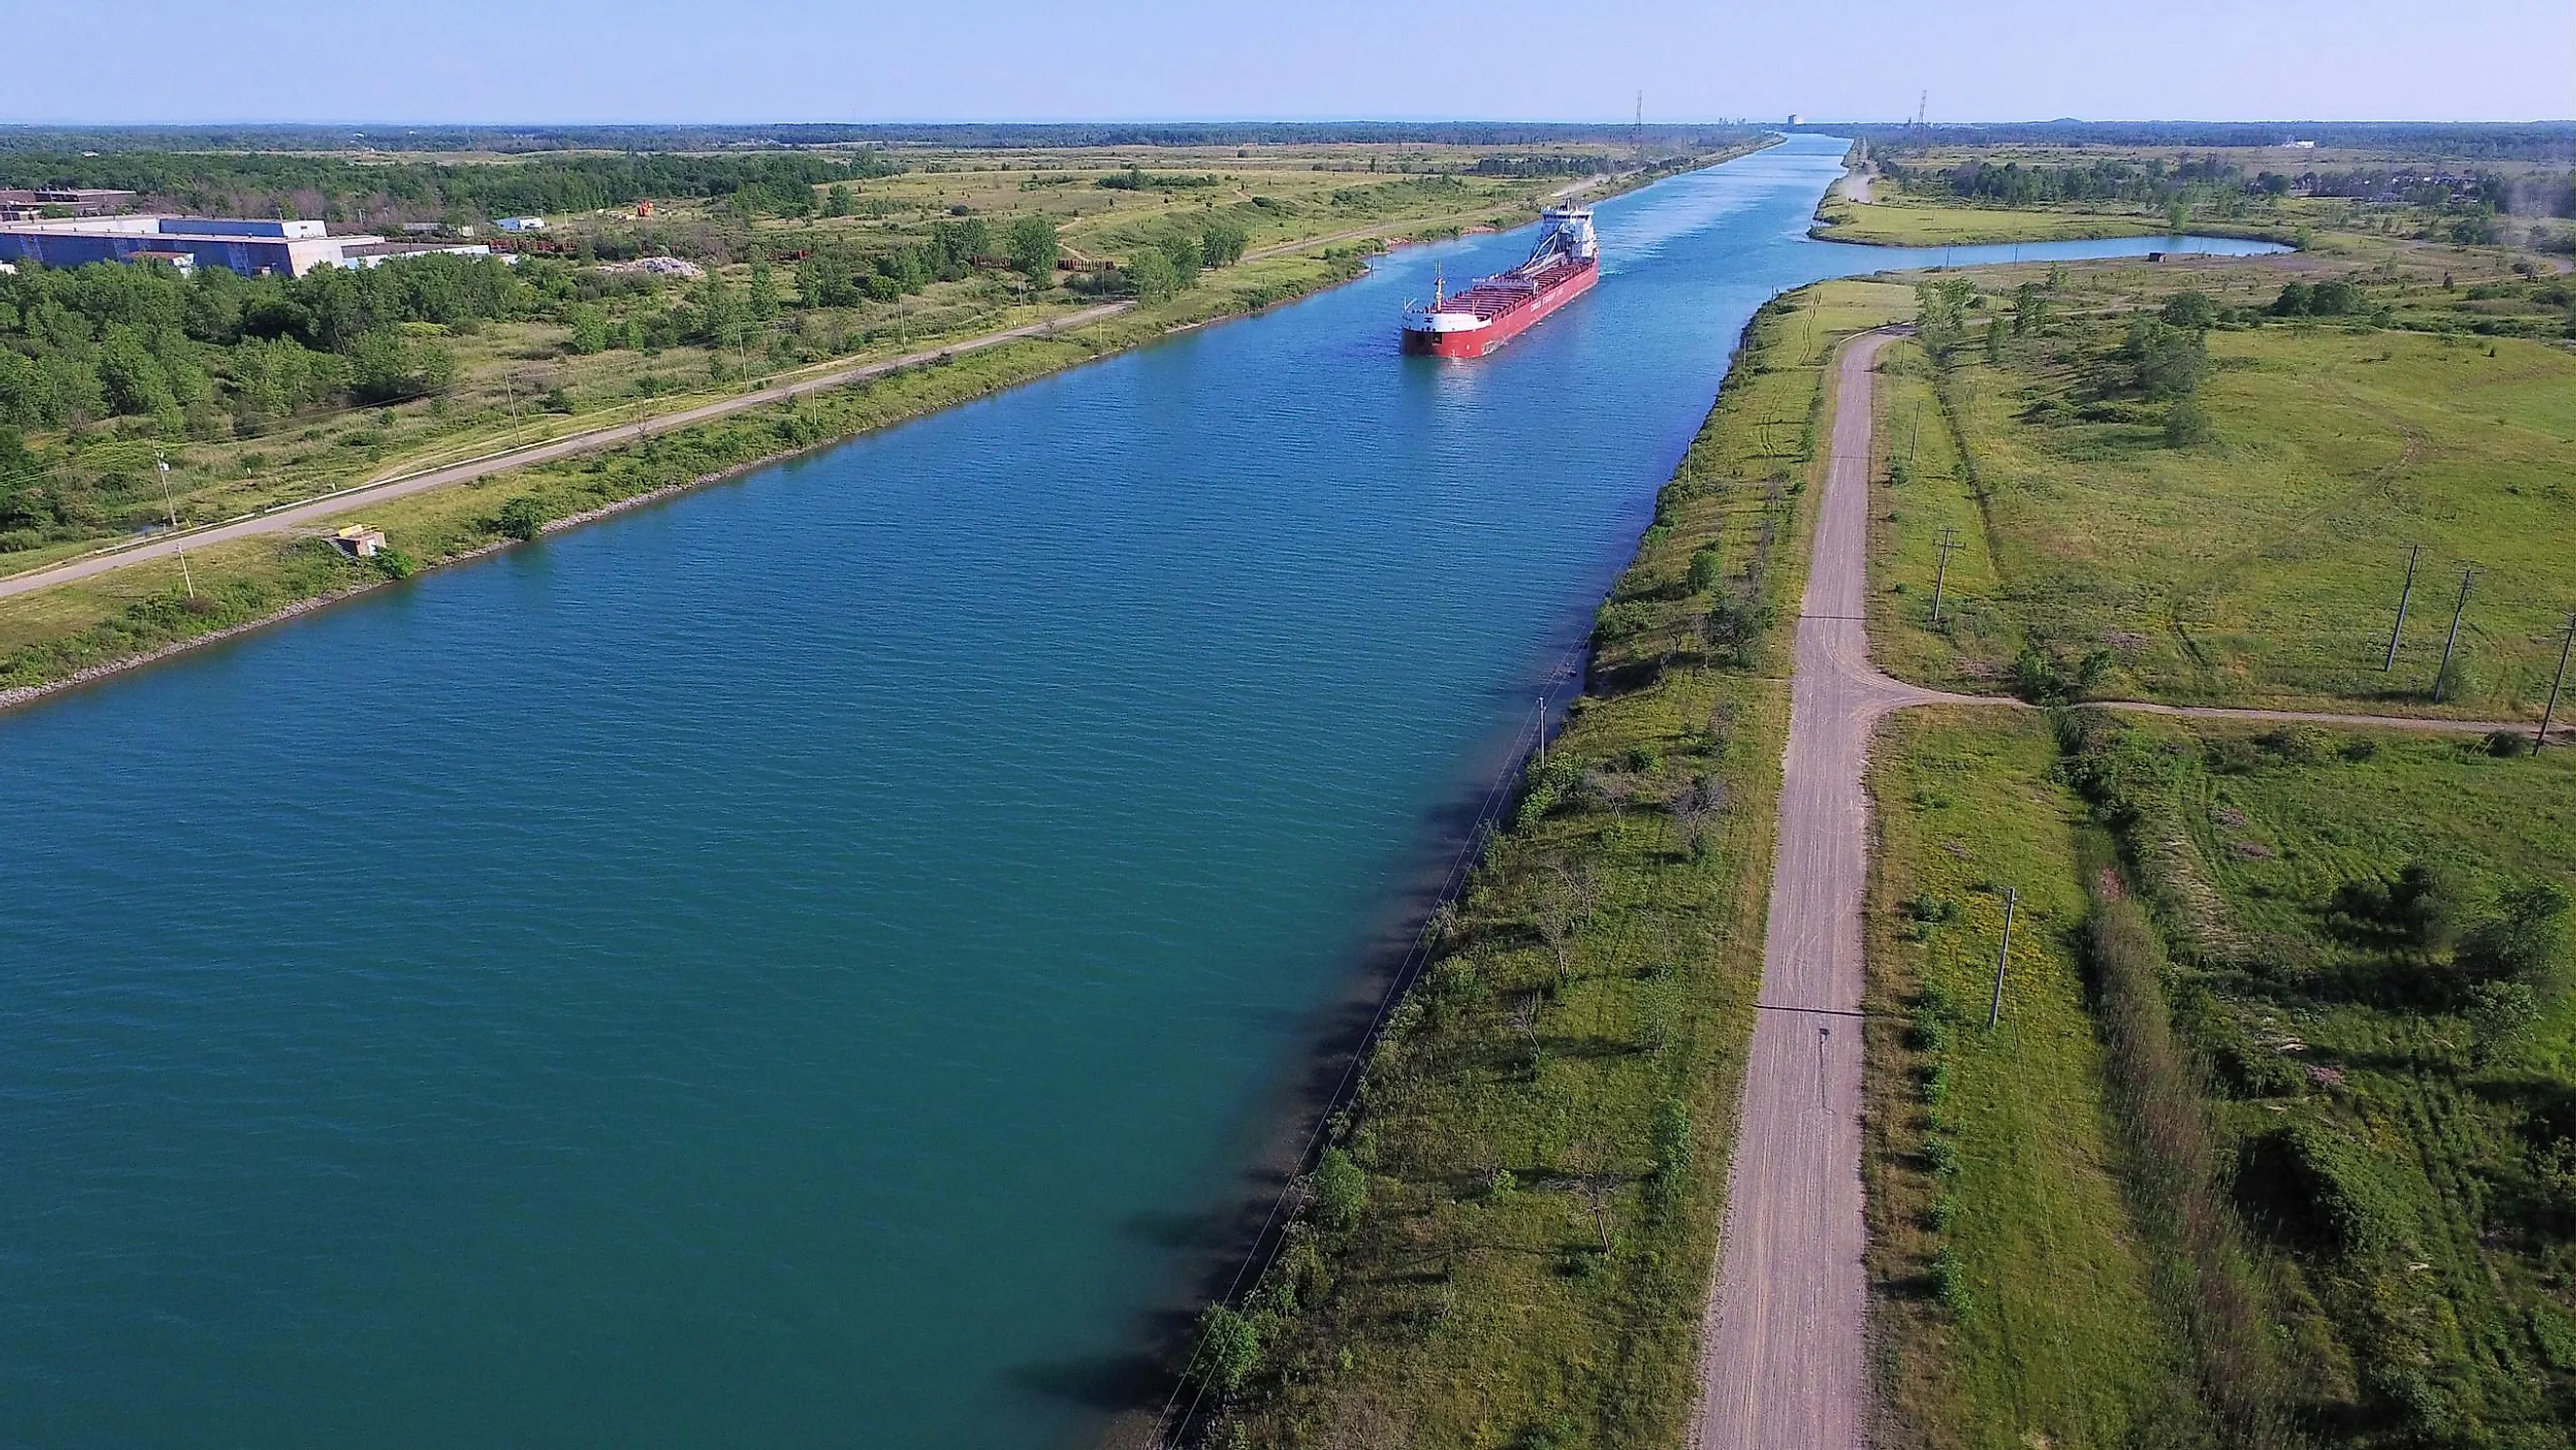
pixel 2545 141
pixel 1590 163
pixel 969 135
pixel 270 183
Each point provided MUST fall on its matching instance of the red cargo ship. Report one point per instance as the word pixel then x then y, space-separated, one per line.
pixel 1565 264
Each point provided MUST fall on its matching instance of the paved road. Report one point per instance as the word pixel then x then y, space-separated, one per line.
pixel 1783 1364
pixel 305 514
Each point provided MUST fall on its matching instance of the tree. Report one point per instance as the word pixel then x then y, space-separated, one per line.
pixel 390 365
pixel 1223 241
pixel 589 328
pixel 1341 1189
pixel 836 199
pixel 1229 1350
pixel 2525 941
pixel 763 299
pixel 1185 257
pixel 2030 309
pixel 2190 309
pixel 2169 360
pixel 1153 276
pixel 1034 248
pixel 2500 1015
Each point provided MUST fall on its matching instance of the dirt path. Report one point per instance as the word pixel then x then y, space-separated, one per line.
pixel 1783 1364
pixel 313 511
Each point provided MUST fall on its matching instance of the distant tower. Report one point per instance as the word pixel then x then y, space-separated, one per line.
pixel 1637 129
pixel 1922 103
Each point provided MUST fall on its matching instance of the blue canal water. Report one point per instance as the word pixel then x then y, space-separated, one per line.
pixel 770 969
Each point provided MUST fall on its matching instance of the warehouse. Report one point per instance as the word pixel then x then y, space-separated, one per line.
pixel 247 246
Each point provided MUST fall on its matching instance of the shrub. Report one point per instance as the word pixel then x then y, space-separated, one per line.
pixel 2501 1014
pixel 1229 1350
pixel 1706 566
pixel 1341 1189
pixel 2186 423
pixel 2507 744
pixel 2525 941
pixel 521 517
pixel 2346 1188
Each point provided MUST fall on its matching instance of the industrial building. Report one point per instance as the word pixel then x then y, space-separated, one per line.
pixel 249 247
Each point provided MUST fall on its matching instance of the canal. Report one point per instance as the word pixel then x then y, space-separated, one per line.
pixel 788 965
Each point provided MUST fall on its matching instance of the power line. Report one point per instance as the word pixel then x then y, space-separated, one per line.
pixel 1460 862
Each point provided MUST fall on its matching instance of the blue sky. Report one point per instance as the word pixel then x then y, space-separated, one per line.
pixel 864 60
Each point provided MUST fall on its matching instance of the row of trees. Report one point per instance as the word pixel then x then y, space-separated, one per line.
pixel 269 183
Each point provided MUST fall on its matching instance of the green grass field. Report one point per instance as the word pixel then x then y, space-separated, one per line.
pixel 2012 1298
pixel 2261 566
pixel 1544 1130
pixel 2404 1154
pixel 1907 221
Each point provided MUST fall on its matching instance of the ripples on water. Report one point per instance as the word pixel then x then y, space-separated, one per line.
pixel 767 970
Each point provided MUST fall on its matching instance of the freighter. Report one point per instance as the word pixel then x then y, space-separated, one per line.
pixel 1564 264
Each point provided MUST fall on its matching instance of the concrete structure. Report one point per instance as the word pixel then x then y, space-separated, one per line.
pixel 246 246
pixel 359 541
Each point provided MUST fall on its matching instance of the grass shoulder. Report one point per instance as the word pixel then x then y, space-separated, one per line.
pixel 2012 1293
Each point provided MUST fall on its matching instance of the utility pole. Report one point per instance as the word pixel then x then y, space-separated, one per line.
pixel 1914 436
pixel 1941 575
pixel 1823 1035
pixel 1542 732
pixel 2413 553
pixel 2551 708
pixel 185 577
pixel 1995 1008
pixel 2453 638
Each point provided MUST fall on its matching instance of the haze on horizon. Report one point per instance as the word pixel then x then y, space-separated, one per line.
pixel 592 61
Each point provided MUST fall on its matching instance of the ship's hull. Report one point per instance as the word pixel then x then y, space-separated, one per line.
pixel 1502 327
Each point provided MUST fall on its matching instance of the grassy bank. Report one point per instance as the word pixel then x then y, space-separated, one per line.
pixel 2235 532
pixel 2012 1290
pixel 1509 1239
pixel 52 635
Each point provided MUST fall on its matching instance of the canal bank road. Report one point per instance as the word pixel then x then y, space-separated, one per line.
pixel 767 989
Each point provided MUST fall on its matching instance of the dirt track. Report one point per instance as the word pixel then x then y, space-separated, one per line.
pixel 1782 1363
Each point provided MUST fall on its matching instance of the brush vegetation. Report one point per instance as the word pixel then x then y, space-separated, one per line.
pixel 2196 482
pixel 2344 1041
